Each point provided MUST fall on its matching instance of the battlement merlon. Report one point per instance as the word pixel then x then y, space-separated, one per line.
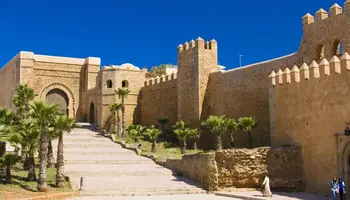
pixel 335 66
pixel 198 43
pixel 160 79
pixel 321 14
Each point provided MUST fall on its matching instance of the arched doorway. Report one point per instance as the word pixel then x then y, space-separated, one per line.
pixel 57 96
pixel 92 113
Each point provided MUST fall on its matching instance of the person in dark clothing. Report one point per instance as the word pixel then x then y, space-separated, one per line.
pixel 341 188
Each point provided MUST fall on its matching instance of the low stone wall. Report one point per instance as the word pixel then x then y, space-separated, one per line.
pixel 246 167
pixel 243 168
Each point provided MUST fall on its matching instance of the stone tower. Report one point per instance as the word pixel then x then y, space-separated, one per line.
pixel 196 60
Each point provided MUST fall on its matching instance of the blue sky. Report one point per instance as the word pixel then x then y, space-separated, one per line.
pixel 147 32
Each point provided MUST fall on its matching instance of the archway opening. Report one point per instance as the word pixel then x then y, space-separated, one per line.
pixel 320 52
pixel 109 84
pixel 59 97
pixel 92 113
pixel 125 83
pixel 338 48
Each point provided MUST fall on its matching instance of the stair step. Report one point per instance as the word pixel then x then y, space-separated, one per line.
pixel 143 192
pixel 91 145
pixel 118 173
pixel 107 161
pixel 132 183
pixel 100 152
pixel 127 168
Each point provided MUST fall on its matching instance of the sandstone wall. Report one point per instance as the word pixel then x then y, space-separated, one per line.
pixel 307 106
pixel 8 80
pixel 134 79
pixel 243 92
pixel 245 168
pixel 158 99
pixel 197 167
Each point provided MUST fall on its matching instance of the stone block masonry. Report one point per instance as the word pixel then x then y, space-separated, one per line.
pixel 308 105
pixel 243 168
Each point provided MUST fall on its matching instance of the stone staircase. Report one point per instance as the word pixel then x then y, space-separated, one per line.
pixel 109 170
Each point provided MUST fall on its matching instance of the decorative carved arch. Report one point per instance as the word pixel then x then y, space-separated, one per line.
pixel 72 101
pixel 343 146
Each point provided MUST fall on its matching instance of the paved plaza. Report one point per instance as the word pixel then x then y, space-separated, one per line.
pixel 164 197
pixel 256 195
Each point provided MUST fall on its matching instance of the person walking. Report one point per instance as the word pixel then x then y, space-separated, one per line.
pixel 266 186
pixel 341 188
pixel 334 188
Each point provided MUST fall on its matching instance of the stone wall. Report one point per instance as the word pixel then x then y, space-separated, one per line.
pixel 243 168
pixel 158 99
pixel 308 105
pixel 243 92
pixel 8 81
pixel 133 78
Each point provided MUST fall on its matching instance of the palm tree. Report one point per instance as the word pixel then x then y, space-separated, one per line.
pixel 22 98
pixel 135 132
pixel 246 124
pixel 216 125
pixel 195 135
pixel 153 134
pixel 182 132
pixel 162 122
pixel 27 133
pixel 45 114
pixel 123 94
pixel 8 161
pixel 114 108
pixel 232 127
pixel 61 125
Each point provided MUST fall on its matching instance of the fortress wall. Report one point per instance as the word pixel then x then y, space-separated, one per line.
pixel 134 79
pixel 58 73
pixel 8 80
pixel 244 92
pixel 308 104
pixel 159 100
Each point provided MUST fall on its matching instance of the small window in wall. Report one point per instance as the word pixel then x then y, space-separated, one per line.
pixel 320 52
pixel 338 48
pixel 109 84
pixel 125 83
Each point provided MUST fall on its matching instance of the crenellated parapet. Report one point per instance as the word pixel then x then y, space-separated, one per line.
pixel 321 14
pixel 199 43
pixel 160 79
pixel 312 71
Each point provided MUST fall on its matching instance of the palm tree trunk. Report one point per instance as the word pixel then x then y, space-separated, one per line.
pixel 118 124
pixel 250 140
pixel 60 164
pixel 184 144
pixel 123 120
pixel 219 143
pixel 42 185
pixel 26 162
pixel 51 159
pixel 31 166
pixel 232 140
pixel 154 150
pixel 115 128
pixel 195 144
pixel 8 174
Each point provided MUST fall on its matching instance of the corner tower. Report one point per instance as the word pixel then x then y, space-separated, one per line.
pixel 196 60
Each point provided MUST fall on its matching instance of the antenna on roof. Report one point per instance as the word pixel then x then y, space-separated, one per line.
pixel 240 60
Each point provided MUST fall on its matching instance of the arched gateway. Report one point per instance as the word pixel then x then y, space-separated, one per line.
pixel 59 97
